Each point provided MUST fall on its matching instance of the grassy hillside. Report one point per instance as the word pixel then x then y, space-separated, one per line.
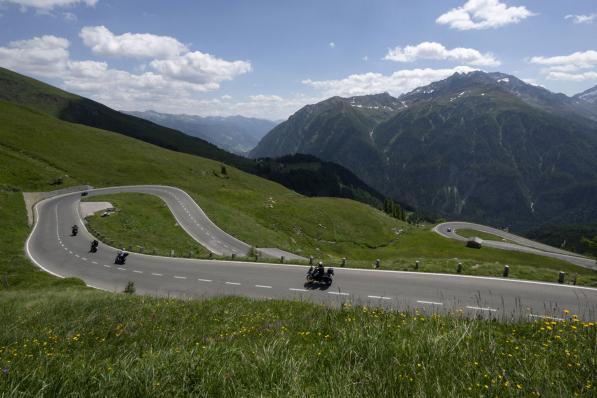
pixel 44 98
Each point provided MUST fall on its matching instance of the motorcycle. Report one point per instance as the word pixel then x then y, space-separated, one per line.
pixel 74 230
pixel 121 258
pixel 315 275
pixel 94 246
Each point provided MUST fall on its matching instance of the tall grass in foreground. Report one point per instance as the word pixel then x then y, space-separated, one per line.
pixel 90 343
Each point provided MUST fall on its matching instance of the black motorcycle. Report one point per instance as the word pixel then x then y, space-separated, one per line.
pixel 121 258
pixel 320 275
pixel 74 230
pixel 94 246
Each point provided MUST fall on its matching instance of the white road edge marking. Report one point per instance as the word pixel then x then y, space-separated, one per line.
pixel 204 280
pixel 264 286
pixel 430 302
pixel 380 297
pixel 481 308
pixel 232 283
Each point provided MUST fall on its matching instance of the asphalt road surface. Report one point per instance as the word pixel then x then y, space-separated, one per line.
pixel 52 248
pixel 516 243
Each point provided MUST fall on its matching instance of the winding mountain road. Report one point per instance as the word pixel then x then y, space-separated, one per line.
pixel 51 247
pixel 512 242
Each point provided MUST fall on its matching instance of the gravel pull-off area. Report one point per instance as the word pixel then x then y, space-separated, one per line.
pixel 90 208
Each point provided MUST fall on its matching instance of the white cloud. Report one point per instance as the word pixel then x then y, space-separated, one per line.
pixel 578 19
pixel 483 14
pixel 397 83
pixel 43 56
pixel 200 68
pixel 436 51
pixel 578 66
pixel 332 44
pixel 265 98
pixel 366 58
pixel 138 45
pixel 47 5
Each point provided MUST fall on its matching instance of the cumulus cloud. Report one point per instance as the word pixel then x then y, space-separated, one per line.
pixel 578 66
pixel 397 83
pixel 47 5
pixel 332 44
pixel 138 45
pixel 46 56
pixel 162 85
pixel 578 19
pixel 436 51
pixel 483 14
pixel 201 68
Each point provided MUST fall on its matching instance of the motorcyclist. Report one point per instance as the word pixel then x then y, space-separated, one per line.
pixel 94 245
pixel 319 271
pixel 75 229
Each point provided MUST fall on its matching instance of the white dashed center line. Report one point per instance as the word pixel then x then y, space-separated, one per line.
pixel 83 258
pixel 264 286
pixel 232 283
pixel 481 308
pixel 137 272
pixel 107 266
pixel 546 317
pixel 154 274
pixel 204 280
pixel 179 277
pixel 380 297
pixel 121 269
pixel 77 256
pixel 94 262
pixel 429 302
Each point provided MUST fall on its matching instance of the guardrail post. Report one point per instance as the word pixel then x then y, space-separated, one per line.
pixel 233 256
pixel 141 249
pixel 171 253
pixel 417 265
pixel 459 268
pixel 561 277
pixel 506 271
pixel 310 260
pixel 343 263
pixel 574 280
pixel 377 263
pixel 282 259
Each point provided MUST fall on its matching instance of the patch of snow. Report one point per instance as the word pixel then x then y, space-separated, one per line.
pixel 504 80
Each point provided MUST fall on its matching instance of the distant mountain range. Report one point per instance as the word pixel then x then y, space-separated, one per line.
pixel 236 134
pixel 479 146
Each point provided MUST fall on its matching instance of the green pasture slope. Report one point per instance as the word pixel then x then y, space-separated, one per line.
pixel 59 338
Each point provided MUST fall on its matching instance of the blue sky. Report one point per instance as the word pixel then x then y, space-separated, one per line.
pixel 269 58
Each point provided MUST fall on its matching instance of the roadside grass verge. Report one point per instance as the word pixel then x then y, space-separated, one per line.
pixel 124 345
